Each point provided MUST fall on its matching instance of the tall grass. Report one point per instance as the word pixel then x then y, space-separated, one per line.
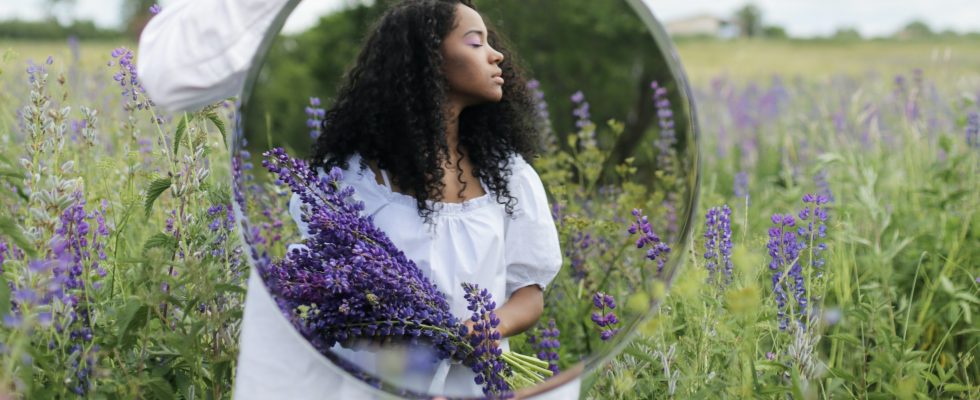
pixel 125 276
pixel 896 302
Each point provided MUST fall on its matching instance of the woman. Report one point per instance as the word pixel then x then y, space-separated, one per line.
pixel 430 126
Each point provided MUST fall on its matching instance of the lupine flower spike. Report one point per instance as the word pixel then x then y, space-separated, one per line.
pixel 604 317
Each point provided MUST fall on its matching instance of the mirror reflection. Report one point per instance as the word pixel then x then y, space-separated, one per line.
pixel 465 198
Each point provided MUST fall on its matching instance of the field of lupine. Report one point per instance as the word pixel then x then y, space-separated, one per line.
pixel 836 251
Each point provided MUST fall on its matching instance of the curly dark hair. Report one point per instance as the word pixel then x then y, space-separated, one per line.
pixel 389 108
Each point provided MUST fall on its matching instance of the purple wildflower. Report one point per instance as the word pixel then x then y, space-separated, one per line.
pixel 814 213
pixel 786 244
pixel 155 9
pixel 658 249
pixel 132 91
pixel 541 108
pixel 314 117
pixel 239 178
pixel 670 214
pixel 578 251
pixel 484 339
pixel 583 122
pixel 36 73
pixel 549 345
pixel 222 222
pixel 742 185
pixel 73 236
pixel 973 129
pixel 718 244
pixel 3 254
pixel 76 247
pixel 783 250
pixel 823 185
pixel 603 316
pixel 667 139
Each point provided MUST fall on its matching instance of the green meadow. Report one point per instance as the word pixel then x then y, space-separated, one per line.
pixel 121 284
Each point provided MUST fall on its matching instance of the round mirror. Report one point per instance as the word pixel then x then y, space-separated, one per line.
pixel 560 176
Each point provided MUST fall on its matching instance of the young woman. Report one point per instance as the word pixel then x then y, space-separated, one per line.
pixel 432 126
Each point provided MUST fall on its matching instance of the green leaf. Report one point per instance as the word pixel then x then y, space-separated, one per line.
pixel 932 378
pixel 9 228
pixel 181 128
pixel 767 390
pixel 157 187
pixel 12 173
pixel 957 387
pixel 840 373
pixel 160 240
pixel 131 318
pixel 219 195
pixel 224 287
pixel 4 296
pixel 218 123
pixel 797 387
pixel 845 338
pixel 161 389
pixel 966 296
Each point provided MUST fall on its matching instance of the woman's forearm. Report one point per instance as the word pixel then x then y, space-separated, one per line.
pixel 521 311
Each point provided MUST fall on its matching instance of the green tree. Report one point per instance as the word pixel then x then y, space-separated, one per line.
pixel 774 32
pixel 848 33
pixel 915 30
pixel 749 20
pixel 135 15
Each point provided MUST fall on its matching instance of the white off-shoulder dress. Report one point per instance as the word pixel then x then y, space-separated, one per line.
pixel 475 241
pixel 198 51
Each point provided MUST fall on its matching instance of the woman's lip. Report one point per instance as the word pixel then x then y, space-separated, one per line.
pixel 499 80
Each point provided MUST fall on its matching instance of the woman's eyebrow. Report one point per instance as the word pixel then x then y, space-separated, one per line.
pixel 473 31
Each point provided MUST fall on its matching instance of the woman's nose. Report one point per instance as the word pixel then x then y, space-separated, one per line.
pixel 496 56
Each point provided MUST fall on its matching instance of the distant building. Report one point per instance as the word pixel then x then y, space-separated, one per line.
pixel 702 25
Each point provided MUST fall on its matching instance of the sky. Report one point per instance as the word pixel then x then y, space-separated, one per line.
pixel 801 18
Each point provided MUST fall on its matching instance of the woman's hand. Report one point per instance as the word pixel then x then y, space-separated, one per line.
pixel 519 313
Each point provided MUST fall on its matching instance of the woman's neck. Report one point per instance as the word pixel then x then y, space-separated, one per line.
pixel 452 128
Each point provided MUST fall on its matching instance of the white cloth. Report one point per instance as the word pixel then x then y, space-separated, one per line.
pixel 196 52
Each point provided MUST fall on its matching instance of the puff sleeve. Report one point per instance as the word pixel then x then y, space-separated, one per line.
pixel 532 253
pixel 197 52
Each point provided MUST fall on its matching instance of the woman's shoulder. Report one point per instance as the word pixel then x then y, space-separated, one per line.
pixel 524 183
pixel 516 164
pixel 351 166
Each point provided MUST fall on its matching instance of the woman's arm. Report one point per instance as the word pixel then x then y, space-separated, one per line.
pixel 519 313
pixel 196 52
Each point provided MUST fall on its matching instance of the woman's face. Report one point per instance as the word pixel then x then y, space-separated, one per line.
pixel 470 64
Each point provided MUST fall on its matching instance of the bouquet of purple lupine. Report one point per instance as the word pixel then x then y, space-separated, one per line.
pixel 351 282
